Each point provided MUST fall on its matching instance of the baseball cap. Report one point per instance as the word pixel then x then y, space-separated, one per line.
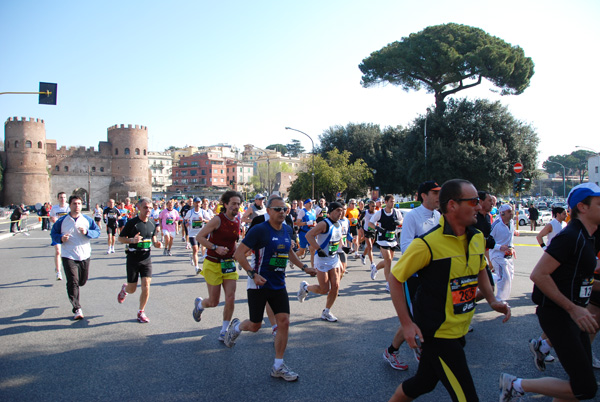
pixel 426 187
pixel 259 196
pixel 505 207
pixel 307 201
pixel 197 199
pixel 581 192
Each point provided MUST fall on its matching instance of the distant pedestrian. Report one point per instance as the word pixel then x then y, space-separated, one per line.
pixel 534 214
pixel 15 218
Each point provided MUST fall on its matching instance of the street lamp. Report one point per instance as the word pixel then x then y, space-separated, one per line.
pixel 313 158
pixel 591 149
pixel 564 173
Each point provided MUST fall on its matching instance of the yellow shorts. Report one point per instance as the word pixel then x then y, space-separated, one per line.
pixel 213 275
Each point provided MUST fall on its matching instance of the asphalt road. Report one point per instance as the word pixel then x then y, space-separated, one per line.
pixel 46 356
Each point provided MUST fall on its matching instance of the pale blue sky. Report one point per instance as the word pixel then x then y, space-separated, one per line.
pixel 199 72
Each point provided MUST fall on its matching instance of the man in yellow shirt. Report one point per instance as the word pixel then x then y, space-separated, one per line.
pixel 451 265
pixel 352 215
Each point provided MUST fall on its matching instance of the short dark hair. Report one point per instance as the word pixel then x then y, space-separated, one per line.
pixel 482 195
pixel 388 197
pixel 451 190
pixel 74 197
pixel 585 201
pixel 228 195
pixel 275 198
pixel 62 192
pixel 557 210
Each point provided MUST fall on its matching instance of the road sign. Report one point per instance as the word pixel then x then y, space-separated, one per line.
pixel 518 167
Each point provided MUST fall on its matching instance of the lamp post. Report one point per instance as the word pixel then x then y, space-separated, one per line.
pixel 564 173
pixel 313 158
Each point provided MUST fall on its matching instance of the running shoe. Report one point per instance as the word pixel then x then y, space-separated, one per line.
pixel 232 334
pixel 142 317
pixel 392 359
pixel 188 246
pixel 169 253
pixel 284 372
pixel 373 271
pixel 327 316
pixel 78 314
pixel 183 238
pixel 198 309
pixel 507 391
pixel 595 362
pixel 122 294
pixel 363 259
pixel 538 356
pixel 222 336
pixel 200 259
pixel 192 259
pixel 108 251
pixel 112 250
pixel 356 256
pixel 58 276
pixel 198 269
pixel 165 251
pixel 303 292
pixel 550 359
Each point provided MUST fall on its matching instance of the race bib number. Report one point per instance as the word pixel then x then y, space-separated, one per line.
pixel 463 291
pixel 278 262
pixel 144 245
pixel 333 247
pixel 228 266
pixel 370 229
pixel 354 221
pixel 112 216
pixel 169 221
pixel 197 224
pixel 390 235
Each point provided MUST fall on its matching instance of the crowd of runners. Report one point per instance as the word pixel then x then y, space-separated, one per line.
pixel 453 253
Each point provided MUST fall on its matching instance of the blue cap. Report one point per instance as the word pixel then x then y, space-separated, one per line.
pixel 581 192
pixel 197 199
pixel 307 200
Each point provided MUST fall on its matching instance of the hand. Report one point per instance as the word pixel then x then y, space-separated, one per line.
pixel 409 332
pixel 517 233
pixel 501 307
pixel 65 238
pixel 259 280
pixel 137 238
pixel 82 231
pixel 221 250
pixel 311 271
pixel 504 248
pixel 158 244
pixel 584 319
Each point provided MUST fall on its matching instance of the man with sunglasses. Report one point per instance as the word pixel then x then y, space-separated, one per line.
pixel 271 242
pixel 449 260
pixel 503 231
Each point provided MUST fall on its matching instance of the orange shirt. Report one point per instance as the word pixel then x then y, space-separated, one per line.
pixel 352 215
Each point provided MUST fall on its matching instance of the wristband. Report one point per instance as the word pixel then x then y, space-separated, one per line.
pixel 543 245
pixel 251 273
pixel 304 267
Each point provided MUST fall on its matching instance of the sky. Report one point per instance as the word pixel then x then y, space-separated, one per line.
pixel 239 72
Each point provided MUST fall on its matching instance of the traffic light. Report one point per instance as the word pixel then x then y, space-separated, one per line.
pixel 522 184
pixel 47 93
pixel 517 185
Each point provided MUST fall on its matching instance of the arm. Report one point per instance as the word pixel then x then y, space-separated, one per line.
pixel 55 233
pixel 93 230
pixel 408 327
pixel 210 227
pixel 246 216
pixel 542 279
pixel 312 234
pixel 486 289
pixel 544 232
pixel 240 256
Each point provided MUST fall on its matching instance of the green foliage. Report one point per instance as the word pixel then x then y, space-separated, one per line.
pixel 264 183
pixel 294 148
pixel 279 148
pixel 448 58
pixel 333 173
pixel 575 163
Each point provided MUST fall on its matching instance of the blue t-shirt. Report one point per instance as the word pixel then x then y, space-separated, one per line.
pixel 271 251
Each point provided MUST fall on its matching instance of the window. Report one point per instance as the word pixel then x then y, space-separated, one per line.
pixel 40 144
pixel 116 151
pixel 137 151
pixel 184 163
pixel 214 170
pixel 203 172
pixel 144 152
pixel 93 168
pixel 66 168
pixel 596 169
pixel 203 181
pixel 16 144
pixel 127 151
pixel 101 169
pixel 57 168
pixel 222 180
pixel 193 172
pixel 27 144
pixel 221 171
pixel 210 179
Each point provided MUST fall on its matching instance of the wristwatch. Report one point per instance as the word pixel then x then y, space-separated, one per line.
pixel 214 247
pixel 251 273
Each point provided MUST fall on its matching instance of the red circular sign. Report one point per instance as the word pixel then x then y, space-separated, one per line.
pixel 518 167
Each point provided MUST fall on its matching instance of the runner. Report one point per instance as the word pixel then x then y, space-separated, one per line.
pixel 385 222
pixel 563 281
pixel 325 238
pixel 557 224
pixel 195 219
pixel 218 268
pixel 416 223
pixel 266 282
pixel 168 226
pixel 111 214
pixel 57 211
pixel 352 214
pixel 305 221
pixel 255 209
pixel 98 216
pixel 503 231
pixel 139 234
pixel 74 232
pixel 450 263
pixel 321 209
pixel 184 228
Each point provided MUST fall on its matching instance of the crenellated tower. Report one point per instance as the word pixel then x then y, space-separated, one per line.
pixel 129 161
pixel 26 177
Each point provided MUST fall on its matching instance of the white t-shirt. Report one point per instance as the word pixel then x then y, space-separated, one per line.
pixel 57 211
pixel 195 220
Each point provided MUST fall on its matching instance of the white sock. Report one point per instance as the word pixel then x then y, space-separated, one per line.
pixel 326 310
pixel 278 363
pixel 544 347
pixel 237 327
pixel 517 385
pixel 225 325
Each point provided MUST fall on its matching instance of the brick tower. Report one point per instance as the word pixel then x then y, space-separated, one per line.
pixel 26 177
pixel 129 162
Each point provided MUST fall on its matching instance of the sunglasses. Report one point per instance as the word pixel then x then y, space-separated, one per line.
pixel 471 201
pixel 279 209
